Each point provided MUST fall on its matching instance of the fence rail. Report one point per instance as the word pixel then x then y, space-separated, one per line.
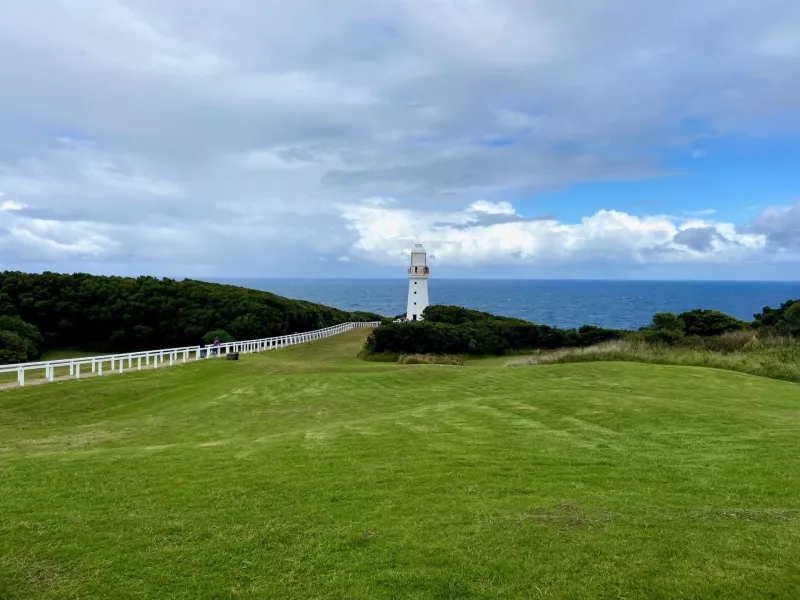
pixel 116 363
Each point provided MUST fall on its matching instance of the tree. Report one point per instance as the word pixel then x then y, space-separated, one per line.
pixel 109 314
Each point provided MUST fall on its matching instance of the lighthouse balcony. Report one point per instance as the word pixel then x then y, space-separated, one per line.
pixel 418 271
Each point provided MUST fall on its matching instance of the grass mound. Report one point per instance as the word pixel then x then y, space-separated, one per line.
pixel 308 473
pixel 776 359
pixel 430 359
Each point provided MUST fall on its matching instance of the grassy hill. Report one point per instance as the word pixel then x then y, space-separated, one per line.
pixel 306 473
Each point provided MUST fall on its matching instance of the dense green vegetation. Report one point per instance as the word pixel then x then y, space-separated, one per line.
pixel 785 319
pixel 460 331
pixel 306 473
pixel 90 312
pixel 19 341
pixel 457 330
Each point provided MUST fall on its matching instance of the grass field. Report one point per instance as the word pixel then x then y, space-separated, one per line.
pixel 306 473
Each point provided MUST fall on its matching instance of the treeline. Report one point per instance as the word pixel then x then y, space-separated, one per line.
pixel 457 330
pixel 108 314
pixel 671 328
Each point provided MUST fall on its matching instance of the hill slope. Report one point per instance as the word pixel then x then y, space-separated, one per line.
pixel 306 473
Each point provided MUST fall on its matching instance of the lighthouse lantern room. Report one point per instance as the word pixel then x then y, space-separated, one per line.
pixel 417 284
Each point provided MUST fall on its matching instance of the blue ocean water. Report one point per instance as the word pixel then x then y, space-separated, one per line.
pixel 561 303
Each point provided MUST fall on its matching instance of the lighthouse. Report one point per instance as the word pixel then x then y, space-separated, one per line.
pixel 417 284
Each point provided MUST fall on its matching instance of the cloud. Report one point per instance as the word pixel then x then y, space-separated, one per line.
pixel 700 239
pixel 385 232
pixel 196 137
pixel 483 213
pixel 780 225
pixel 8 206
pixel 706 212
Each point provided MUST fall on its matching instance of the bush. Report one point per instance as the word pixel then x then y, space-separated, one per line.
pixel 15 349
pixel 791 319
pixel 667 321
pixel 707 323
pixel 785 319
pixel 663 336
pixel 455 330
pixel 19 341
pixel 224 336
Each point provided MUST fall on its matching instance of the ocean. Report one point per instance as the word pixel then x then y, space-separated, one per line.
pixel 561 303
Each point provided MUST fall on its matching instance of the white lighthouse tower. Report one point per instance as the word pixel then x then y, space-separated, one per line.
pixel 417 284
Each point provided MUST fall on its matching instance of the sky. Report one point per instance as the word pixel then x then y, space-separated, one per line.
pixel 309 138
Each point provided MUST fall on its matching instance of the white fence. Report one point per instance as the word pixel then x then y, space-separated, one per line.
pixel 118 363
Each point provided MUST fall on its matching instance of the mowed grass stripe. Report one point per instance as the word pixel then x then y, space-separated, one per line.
pixel 305 473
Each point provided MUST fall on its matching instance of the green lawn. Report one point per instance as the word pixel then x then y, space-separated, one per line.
pixel 306 473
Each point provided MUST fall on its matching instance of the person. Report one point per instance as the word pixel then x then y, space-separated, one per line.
pixel 216 346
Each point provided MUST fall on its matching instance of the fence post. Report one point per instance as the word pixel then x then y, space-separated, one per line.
pixel 21 377
pixel 71 369
pixel 78 371
pixel 99 368
pixel 121 364
pixel 139 363
pixel 94 366
pixel 51 375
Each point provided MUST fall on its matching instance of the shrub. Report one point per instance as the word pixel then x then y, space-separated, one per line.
pixel 791 318
pixel 21 328
pixel 663 336
pixel 667 321
pixel 456 330
pixel 15 348
pixel 19 341
pixel 224 336
pixel 709 322
pixel 778 319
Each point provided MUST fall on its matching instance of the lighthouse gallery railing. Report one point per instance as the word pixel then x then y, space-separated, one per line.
pixel 94 365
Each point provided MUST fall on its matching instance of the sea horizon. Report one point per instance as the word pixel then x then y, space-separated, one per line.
pixel 621 304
